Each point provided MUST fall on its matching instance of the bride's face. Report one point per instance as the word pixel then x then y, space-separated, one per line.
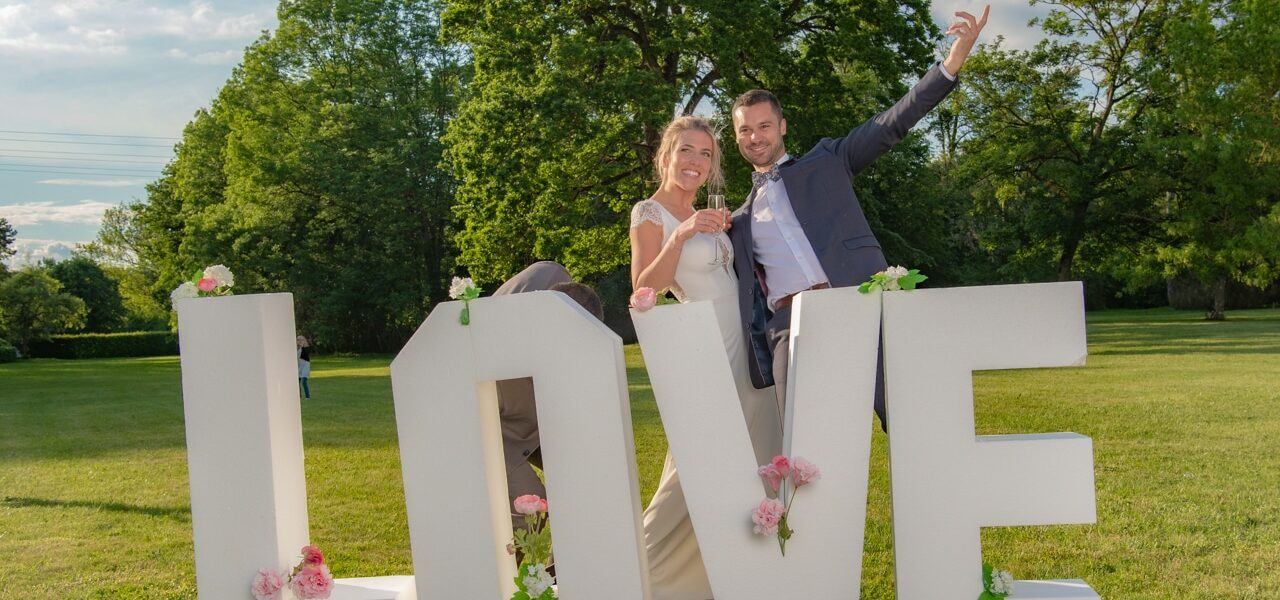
pixel 689 163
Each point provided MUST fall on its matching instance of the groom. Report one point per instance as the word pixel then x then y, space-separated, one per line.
pixel 801 227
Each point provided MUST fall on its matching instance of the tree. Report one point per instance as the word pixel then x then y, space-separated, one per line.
pixel 7 236
pixel 32 306
pixel 81 277
pixel 1217 138
pixel 555 139
pixel 117 250
pixel 1049 144
pixel 317 170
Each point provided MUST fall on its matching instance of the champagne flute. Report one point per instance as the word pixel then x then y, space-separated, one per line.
pixel 715 201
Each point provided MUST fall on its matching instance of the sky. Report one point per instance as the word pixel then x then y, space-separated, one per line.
pixel 95 93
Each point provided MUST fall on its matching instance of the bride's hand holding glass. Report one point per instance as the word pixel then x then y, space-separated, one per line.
pixel 706 220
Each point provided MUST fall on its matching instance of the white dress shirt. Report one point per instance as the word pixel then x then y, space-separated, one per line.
pixel 780 245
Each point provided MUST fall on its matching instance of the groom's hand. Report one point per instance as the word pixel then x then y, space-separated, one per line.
pixel 966 31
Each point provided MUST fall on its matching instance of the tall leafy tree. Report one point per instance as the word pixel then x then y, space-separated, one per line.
pixel 33 305
pixel 1048 139
pixel 1217 140
pixel 81 277
pixel 556 137
pixel 7 236
pixel 317 170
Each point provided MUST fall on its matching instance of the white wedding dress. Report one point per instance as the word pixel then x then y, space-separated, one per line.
pixel 675 564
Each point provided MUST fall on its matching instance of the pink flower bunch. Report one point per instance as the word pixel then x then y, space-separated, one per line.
pixel 643 299
pixel 529 504
pixel 770 517
pixel 309 580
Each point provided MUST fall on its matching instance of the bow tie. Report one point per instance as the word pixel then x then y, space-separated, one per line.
pixel 758 178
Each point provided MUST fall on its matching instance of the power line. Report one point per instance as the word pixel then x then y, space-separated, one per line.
pixel 64 172
pixel 83 153
pixel 86 143
pixel 138 137
pixel 57 158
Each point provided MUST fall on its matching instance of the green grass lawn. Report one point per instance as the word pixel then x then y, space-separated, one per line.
pixel 1184 416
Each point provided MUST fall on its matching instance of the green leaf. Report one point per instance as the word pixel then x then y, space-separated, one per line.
pixel 866 286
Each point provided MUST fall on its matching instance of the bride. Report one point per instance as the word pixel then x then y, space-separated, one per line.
pixel 675 247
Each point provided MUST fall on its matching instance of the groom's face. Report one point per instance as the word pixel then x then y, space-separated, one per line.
pixel 759 130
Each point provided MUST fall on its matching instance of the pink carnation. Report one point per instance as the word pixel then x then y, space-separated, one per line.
pixel 643 299
pixel 313 581
pixel 207 284
pixel 267 585
pixel 783 465
pixel 771 476
pixel 529 504
pixel 804 472
pixel 767 515
pixel 311 555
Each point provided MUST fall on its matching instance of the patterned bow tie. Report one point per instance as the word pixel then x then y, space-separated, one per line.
pixel 758 179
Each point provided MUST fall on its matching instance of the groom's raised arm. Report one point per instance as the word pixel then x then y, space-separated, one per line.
pixel 868 141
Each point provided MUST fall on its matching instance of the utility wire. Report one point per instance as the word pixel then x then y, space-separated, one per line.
pixel 83 153
pixel 86 143
pixel 3 154
pixel 138 137
pixel 82 173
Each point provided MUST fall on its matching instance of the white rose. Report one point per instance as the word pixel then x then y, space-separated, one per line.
pixel 891 284
pixel 896 272
pixel 186 290
pixel 538 580
pixel 1001 582
pixel 220 274
pixel 459 287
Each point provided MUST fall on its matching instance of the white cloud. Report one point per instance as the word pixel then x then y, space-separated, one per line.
pixel 97 27
pixel 93 182
pixel 31 252
pixel 226 57
pixel 86 212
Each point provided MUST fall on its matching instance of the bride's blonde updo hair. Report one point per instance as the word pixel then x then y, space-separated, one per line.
pixel 681 124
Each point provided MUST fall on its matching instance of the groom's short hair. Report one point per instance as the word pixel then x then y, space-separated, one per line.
pixel 583 295
pixel 754 97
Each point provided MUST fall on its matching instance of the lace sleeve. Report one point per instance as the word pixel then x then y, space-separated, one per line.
pixel 645 211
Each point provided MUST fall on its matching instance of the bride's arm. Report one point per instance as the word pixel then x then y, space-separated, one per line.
pixel 653 263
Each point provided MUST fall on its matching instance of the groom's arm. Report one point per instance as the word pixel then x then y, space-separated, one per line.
pixel 868 141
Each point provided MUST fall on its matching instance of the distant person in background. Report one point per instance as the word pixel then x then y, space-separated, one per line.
pixel 304 366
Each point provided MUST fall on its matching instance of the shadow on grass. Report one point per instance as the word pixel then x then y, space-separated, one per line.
pixel 179 513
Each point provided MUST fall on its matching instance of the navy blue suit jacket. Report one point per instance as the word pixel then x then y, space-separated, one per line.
pixel 820 187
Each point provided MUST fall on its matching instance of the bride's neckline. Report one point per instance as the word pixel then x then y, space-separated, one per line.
pixel 668 210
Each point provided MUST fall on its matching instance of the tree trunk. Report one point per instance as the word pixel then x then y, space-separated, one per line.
pixel 1219 310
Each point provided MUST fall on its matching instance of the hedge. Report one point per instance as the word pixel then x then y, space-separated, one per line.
pixel 7 352
pixel 107 345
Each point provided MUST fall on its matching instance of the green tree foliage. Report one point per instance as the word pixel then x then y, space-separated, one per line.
pixel 117 251
pixel 1047 141
pixel 555 139
pixel 1217 140
pixel 7 236
pixel 33 305
pixel 317 171
pixel 81 277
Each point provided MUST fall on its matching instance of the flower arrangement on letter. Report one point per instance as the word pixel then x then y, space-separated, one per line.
pixel 310 579
pixel 643 299
pixel 893 278
pixel 211 281
pixel 465 290
pixel 770 518
pixel 533 582
pixel 996 584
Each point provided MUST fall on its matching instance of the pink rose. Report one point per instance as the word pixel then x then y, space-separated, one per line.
pixel 207 284
pixel 783 465
pixel 771 476
pixel 511 549
pixel 267 585
pixel 767 515
pixel 643 299
pixel 313 581
pixel 804 472
pixel 311 555
pixel 529 504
